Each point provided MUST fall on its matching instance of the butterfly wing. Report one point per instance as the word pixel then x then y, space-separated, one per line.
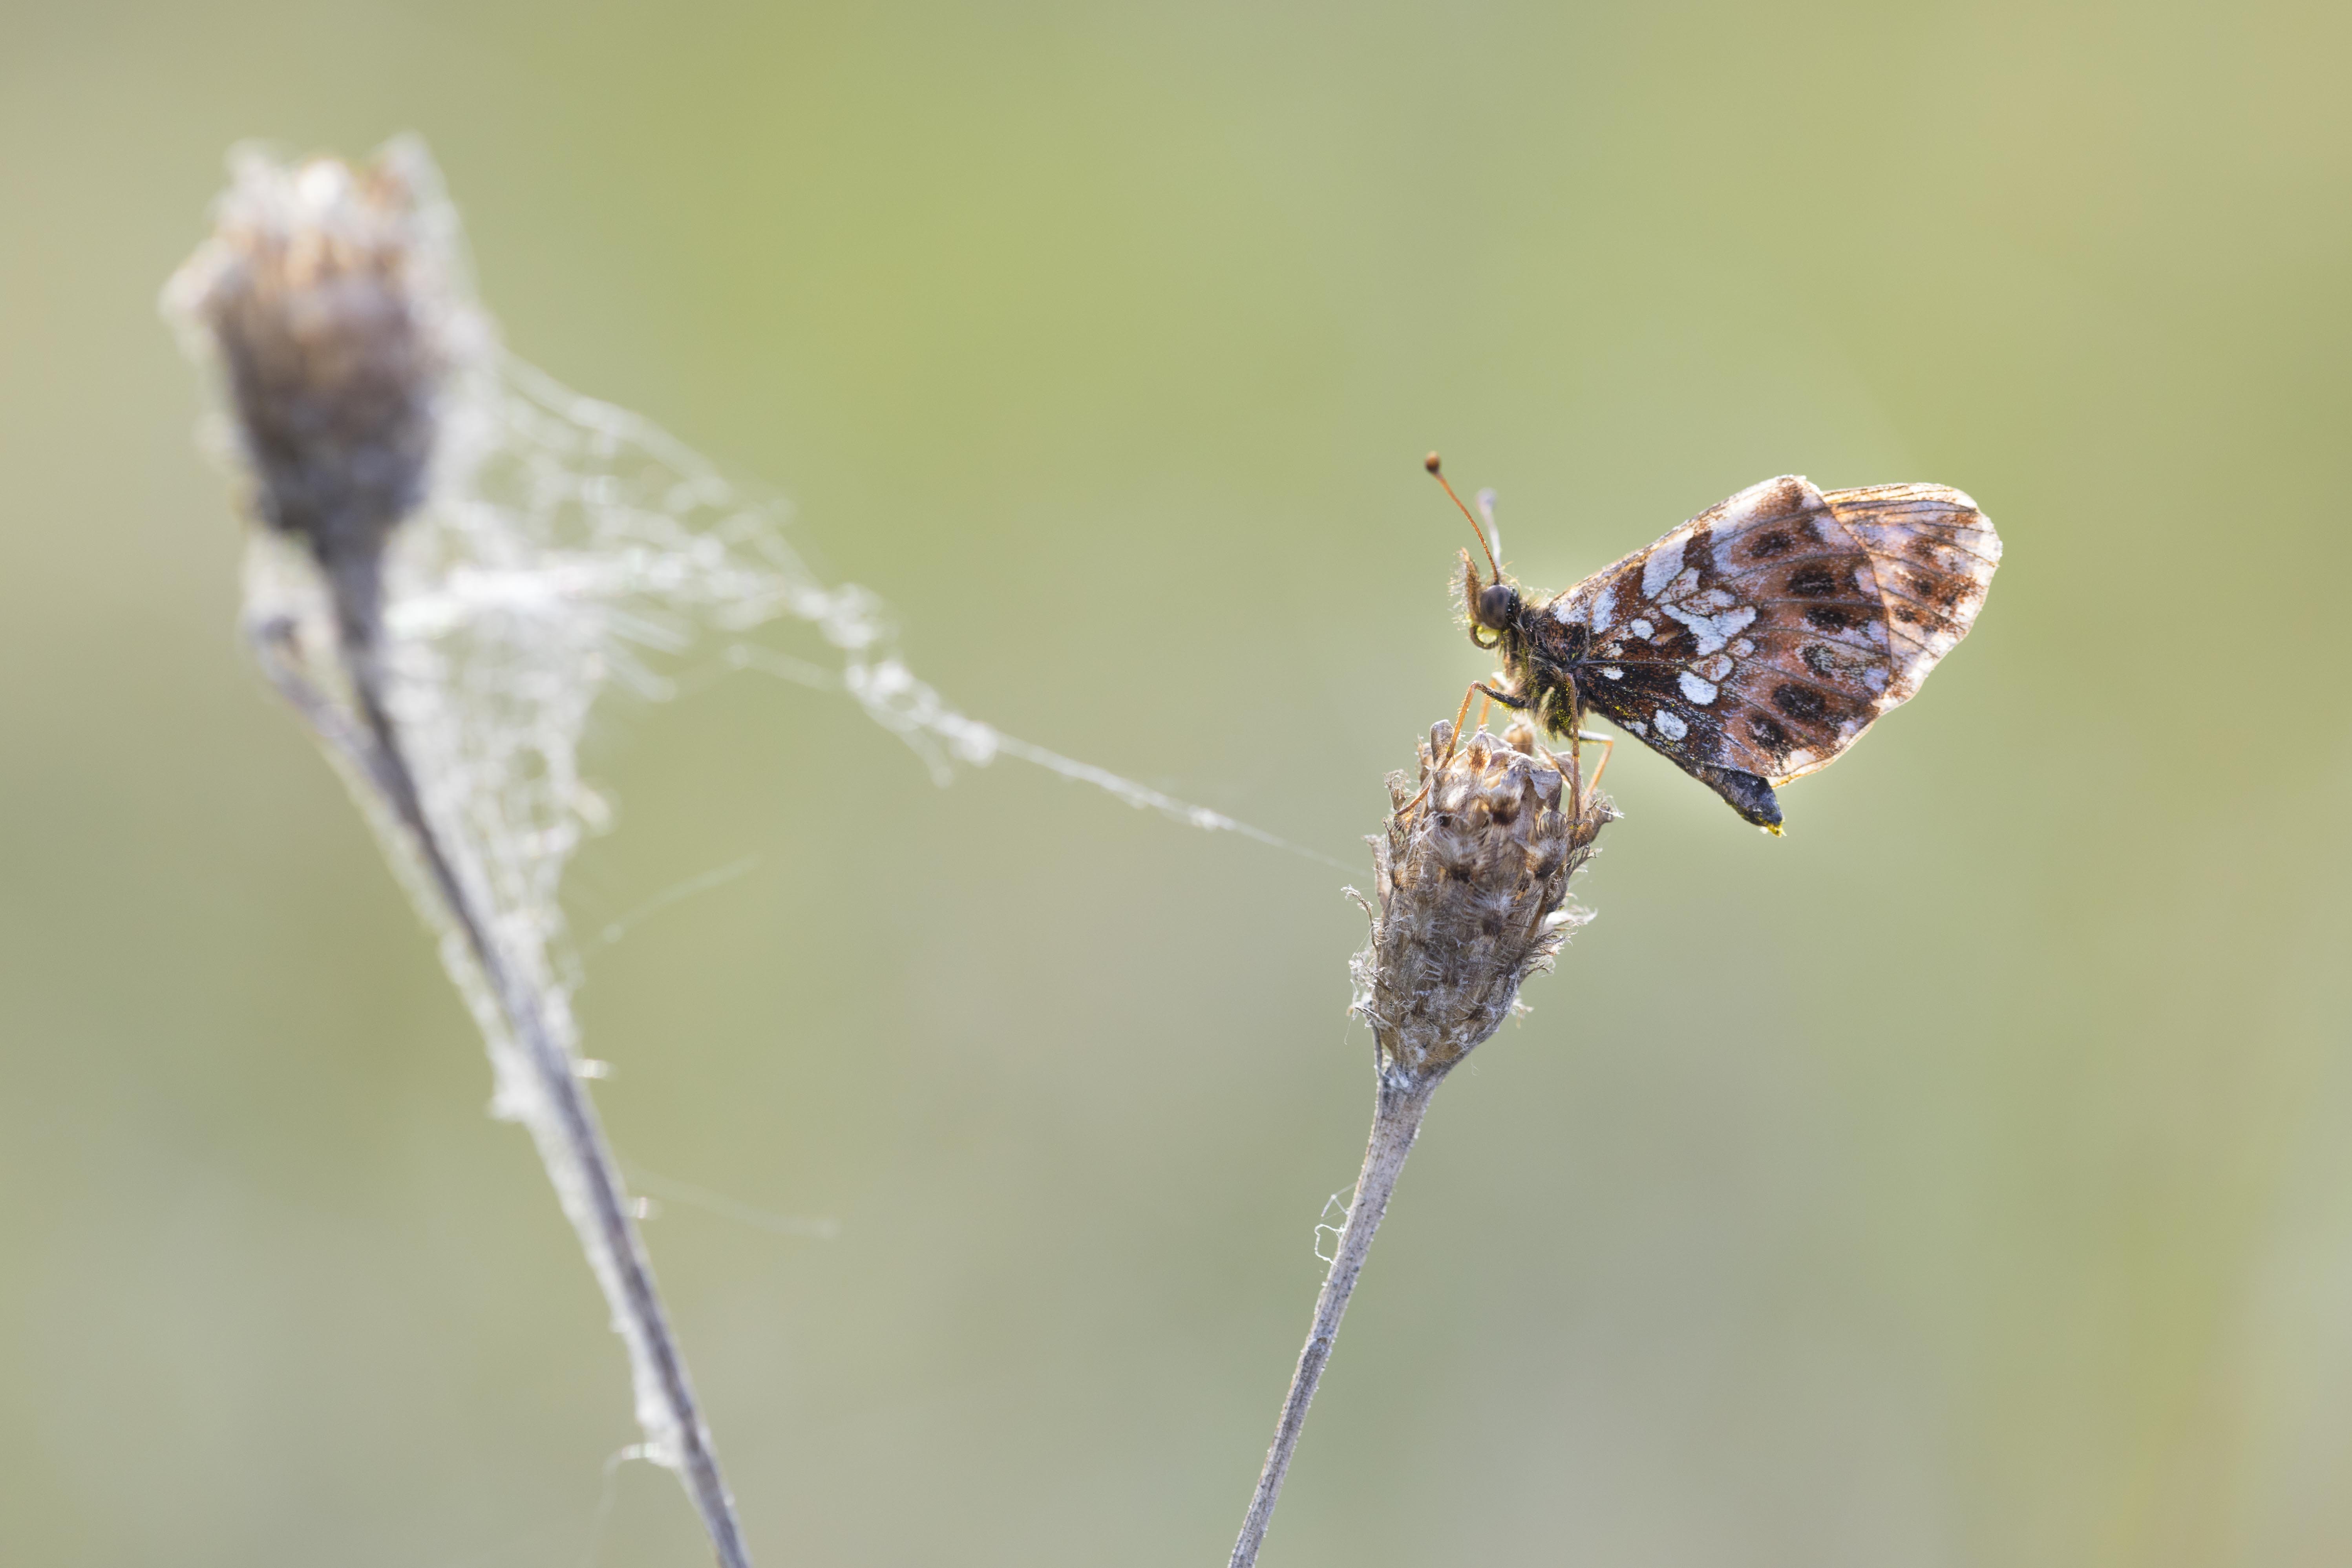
pixel 1758 641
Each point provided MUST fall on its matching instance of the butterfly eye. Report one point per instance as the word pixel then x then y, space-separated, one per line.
pixel 1499 606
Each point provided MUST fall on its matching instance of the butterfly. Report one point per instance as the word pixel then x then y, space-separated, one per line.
pixel 1758 641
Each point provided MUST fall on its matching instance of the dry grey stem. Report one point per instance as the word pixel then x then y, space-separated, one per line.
pixel 1396 1121
pixel 572 1142
pixel 319 296
pixel 1472 884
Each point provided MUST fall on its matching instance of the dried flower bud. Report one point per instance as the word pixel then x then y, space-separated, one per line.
pixel 1473 896
pixel 323 298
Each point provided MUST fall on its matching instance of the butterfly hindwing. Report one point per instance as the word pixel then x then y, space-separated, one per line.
pixel 1758 641
pixel 1932 556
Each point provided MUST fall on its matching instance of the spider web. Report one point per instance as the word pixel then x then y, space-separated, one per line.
pixel 565 545
pixel 562 545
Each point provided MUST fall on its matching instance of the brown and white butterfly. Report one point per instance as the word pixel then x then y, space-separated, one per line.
pixel 1758 641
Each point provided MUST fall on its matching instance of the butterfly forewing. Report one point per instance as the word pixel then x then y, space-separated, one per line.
pixel 1766 634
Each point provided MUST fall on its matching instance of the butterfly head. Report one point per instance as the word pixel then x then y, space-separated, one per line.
pixel 1495 609
pixel 1498 607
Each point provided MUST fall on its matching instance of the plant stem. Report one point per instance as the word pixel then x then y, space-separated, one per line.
pixel 570 1136
pixel 1397 1110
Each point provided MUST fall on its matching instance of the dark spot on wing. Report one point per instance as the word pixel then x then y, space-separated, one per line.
pixel 1800 702
pixel 1948 594
pixel 1813 579
pixel 1769 544
pixel 1818 659
pixel 1698 551
pixel 1641 685
pixel 1768 732
pixel 1681 644
pixel 1830 618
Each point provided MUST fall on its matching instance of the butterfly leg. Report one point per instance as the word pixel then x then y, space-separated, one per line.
pixel 1454 737
pixel 1515 704
pixel 1608 745
pixel 1461 717
pixel 1561 714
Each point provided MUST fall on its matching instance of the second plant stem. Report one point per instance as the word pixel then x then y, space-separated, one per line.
pixel 570 1135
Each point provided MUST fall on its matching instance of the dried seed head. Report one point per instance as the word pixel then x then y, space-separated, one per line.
pixel 326 301
pixel 1473 896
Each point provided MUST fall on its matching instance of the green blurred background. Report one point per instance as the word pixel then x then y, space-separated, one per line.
pixel 1965 1179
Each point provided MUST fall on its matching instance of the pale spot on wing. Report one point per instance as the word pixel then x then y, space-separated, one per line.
pixel 1715 666
pixel 1670 724
pixel 1612 673
pixel 1563 611
pixel 1699 691
pixel 1701 627
pixel 1637 726
pixel 1741 649
pixel 1714 631
pixel 1642 629
pixel 1665 565
pixel 1605 606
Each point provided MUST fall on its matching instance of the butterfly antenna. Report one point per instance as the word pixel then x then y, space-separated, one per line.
pixel 1484 501
pixel 1437 472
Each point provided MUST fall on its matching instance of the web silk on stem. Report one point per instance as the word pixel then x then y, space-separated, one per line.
pixel 565 544
pixel 524 549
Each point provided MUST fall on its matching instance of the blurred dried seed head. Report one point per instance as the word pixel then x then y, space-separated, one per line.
pixel 1473 896
pixel 326 301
